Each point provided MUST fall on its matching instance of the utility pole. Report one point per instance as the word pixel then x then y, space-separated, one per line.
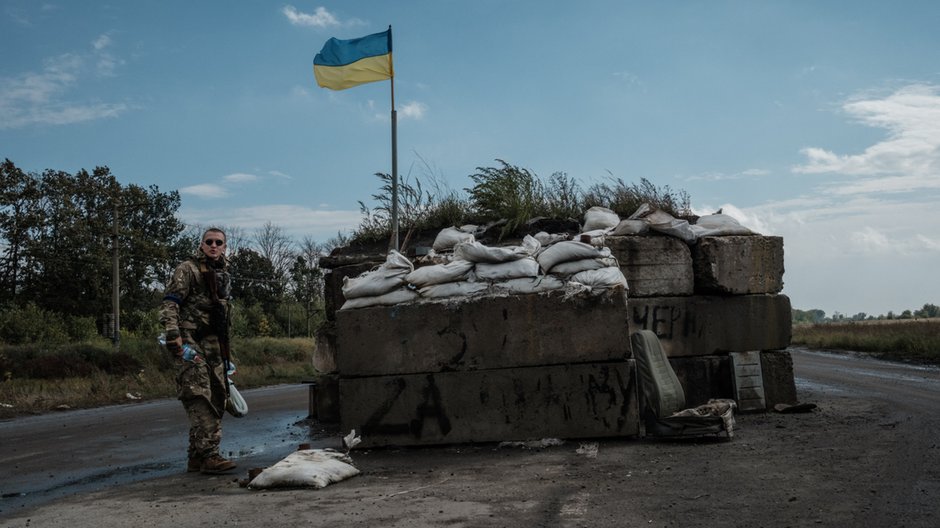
pixel 115 284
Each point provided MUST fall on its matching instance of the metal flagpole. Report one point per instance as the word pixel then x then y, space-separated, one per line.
pixel 394 242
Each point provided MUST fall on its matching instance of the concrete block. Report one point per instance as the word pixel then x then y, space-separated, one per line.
pixel 779 386
pixel 517 404
pixel 703 325
pixel 738 265
pixel 482 333
pixel 655 266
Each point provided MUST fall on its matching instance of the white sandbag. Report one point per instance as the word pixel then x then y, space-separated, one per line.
pixel 456 270
pixel 663 222
pixel 721 225
pixel 383 279
pixel 449 237
pixel 524 267
pixel 641 212
pixel 577 266
pixel 600 279
pixel 477 252
pixel 316 468
pixel 387 299
pixel 546 239
pixel 525 285
pixel 453 289
pixel 599 218
pixel 567 251
pixel 630 227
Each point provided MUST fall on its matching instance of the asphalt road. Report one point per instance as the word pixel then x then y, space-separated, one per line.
pixel 56 455
pixel 867 458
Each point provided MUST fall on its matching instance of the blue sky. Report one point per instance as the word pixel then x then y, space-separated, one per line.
pixel 815 121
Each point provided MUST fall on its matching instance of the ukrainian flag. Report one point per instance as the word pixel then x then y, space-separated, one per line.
pixel 343 64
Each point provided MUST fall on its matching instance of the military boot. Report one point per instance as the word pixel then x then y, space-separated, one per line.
pixel 195 464
pixel 215 464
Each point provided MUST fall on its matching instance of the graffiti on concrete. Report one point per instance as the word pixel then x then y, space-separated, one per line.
pixel 667 321
pixel 429 408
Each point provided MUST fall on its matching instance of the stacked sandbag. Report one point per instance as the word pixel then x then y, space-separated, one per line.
pixel 445 280
pixel 449 237
pixel 584 264
pixel 384 285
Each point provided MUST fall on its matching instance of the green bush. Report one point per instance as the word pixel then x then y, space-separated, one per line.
pixel 31 324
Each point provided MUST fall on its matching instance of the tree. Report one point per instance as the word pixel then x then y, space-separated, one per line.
pixel 20 218
pixel 58 231
pixel 307 280
pixel 255 282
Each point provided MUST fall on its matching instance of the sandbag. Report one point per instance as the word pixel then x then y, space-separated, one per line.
pixel 387 299
pixel 577 266
pixel 721 225
pixel 546 239
pixel 524 267
pixel 383 279
pixel 316 468
pixel 477 252
pixel 663 222
pixel 453 289
pixel 601 279
pixel 453 271
pixel 525 285
pixel 449 237
pixel 599 218
pixel 630 227
pixel 567 251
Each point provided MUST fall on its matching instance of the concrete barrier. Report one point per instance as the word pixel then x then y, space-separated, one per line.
pixel 482 333
pixel 703 325
pixel 655 266
pixel 738 265
pixel 514 404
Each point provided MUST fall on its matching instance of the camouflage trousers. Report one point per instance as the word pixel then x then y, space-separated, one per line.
pixel 200 387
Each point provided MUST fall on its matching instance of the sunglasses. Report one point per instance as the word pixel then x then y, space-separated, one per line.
pixel 213 242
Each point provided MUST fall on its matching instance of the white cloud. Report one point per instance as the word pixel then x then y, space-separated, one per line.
pixel 907 160
pixel 41 97
pixel 721 176
pixel 320 17
pixel 101 42
pixel 205 190
pixel 296 220
pixel 240 177
pixel 413 110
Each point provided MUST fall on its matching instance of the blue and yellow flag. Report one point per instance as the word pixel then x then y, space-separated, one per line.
pixel 343 64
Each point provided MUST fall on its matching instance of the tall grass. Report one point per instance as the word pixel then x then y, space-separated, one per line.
pixel 508 194
pixel 907 339
pixel 37 379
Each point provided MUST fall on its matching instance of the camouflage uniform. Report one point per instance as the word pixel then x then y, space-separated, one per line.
pixel 185 312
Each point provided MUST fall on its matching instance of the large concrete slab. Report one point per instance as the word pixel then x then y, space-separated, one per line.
pixel 482 333
pixel 738 265
pixel 702 325
pixel 517 404
pixel 655 266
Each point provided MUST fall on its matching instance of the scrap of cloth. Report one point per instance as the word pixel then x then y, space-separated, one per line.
pixel 715 407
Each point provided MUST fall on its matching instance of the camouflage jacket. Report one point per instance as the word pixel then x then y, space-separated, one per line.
pixel 187 303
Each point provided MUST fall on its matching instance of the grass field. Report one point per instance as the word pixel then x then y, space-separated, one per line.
pixel 915 340
pixel 38 379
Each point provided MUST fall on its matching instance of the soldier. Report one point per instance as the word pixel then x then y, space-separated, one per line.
pixel 195 312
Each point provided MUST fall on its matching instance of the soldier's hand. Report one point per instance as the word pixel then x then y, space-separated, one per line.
pixel 175 347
